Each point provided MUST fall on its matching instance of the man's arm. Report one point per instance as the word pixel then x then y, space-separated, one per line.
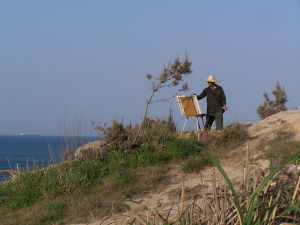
pixel 223 98
pixel 202 95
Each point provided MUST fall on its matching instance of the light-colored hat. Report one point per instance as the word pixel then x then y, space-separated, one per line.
pixel 211 78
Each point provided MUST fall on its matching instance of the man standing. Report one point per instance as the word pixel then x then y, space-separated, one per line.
pixel 216 102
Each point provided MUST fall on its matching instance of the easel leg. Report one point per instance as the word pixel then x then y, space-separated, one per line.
pixel 183 126
pixel 203 122
pixel 198 128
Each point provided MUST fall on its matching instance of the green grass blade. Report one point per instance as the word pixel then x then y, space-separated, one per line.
pixel 254 197
pixel 145 221
pixel 291 208
pixel 132 222
pixel 229 183
pixel 138 203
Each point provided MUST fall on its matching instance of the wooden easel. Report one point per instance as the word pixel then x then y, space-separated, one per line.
pixel 197 125
pixel 189 107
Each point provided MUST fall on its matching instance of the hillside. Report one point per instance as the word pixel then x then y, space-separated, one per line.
pixel 256 151
pixel 167 179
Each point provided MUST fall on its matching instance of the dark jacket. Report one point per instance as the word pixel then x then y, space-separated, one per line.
pixel 215 98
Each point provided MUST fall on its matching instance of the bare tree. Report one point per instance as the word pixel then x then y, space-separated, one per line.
pixel 270 107
pixel 172 75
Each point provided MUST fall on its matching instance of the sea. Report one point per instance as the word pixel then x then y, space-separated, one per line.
pixel 25 152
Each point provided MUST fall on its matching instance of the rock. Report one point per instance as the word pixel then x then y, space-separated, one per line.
pixel 92 150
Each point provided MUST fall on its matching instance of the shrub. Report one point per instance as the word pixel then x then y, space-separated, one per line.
pixel 154 135
pixel 118 136
pixel 270 107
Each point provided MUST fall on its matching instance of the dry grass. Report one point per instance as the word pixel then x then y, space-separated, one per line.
pixel 231 136
pixel 263 199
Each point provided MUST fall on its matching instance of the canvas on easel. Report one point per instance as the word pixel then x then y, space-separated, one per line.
pixel 189 107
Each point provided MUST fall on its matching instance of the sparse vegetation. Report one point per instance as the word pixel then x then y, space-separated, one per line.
pixel 55 212
pixel 283 149
pixel 195 164
pixel 231 137
pixel 270 107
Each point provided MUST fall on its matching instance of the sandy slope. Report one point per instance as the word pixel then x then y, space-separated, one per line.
pixel 233 163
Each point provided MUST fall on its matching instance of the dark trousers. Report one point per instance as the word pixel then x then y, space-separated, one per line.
pixel 214 116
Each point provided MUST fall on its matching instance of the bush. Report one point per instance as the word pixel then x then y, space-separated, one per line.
pixel 154 135
pixel 118 136
pixel 270 107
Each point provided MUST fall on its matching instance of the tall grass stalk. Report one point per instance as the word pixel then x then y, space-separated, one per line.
pixel 248 218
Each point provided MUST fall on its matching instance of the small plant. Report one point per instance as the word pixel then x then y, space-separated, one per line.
pixel 192 165
pixel 124 178
pixel 55 212
pixel 270 107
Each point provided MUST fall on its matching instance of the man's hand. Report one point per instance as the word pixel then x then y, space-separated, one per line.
pixel 225 107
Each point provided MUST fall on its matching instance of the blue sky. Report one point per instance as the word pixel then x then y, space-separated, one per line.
pixel 67 62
